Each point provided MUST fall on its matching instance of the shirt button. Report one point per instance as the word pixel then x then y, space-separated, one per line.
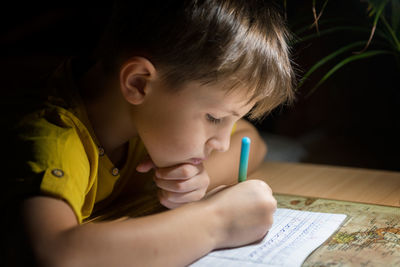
pixel 115 171
pixel 101 151
pixel 57 173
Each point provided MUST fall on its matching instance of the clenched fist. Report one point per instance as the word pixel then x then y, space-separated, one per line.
pixel 178 184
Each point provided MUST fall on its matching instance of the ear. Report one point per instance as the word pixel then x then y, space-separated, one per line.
pixel 135 75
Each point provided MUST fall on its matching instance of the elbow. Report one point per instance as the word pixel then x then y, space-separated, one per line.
pixel 57 261
pixel 260 146
pixel 259 153
pixel 50 259
pixel 56 254
pixel 263 150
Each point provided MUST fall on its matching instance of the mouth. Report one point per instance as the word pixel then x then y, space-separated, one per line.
pixel 196 161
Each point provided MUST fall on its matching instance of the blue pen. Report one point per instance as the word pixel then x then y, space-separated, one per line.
pixel 244 158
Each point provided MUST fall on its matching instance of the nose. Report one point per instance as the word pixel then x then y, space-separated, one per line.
pixel 220 141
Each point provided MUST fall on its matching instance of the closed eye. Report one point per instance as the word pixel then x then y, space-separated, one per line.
pixel 213 120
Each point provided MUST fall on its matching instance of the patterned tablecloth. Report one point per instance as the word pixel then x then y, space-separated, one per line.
pixel 370 236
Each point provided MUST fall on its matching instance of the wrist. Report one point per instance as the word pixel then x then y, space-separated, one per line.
pixel 216 222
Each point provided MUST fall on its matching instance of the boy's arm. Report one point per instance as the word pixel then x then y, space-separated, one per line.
pixel 172 238
pixel 223 167
pixel 58 240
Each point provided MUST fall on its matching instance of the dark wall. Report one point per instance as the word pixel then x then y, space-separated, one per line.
pixel 34 38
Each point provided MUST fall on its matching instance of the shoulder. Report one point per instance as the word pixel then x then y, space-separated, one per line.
pixel 53 129
pixel 54 155
pixel 52 138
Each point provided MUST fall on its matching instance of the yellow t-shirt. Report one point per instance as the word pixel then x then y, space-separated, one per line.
pixel 62 152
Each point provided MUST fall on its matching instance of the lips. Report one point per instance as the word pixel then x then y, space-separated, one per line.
pixel 196 161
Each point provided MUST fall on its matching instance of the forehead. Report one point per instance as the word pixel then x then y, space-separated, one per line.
pixel 218 94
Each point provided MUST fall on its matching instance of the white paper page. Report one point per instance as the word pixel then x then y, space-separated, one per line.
pixel 293 236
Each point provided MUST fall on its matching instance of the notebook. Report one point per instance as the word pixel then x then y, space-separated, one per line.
pixel 293 236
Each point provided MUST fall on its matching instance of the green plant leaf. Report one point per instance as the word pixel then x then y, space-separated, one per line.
pixel 336 29
pixel 328 58
pixel 376 5
pixel 395 16
pixel 377 8
pixel 346 61
pixel 392 38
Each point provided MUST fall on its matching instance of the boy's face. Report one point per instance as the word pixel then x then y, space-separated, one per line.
pixel 187 125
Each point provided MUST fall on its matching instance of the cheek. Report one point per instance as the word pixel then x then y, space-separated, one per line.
pixel 171 140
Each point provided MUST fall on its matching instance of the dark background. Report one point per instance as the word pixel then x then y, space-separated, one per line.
pixel 351 120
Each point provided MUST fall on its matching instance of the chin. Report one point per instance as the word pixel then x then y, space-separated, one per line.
pixel 160 163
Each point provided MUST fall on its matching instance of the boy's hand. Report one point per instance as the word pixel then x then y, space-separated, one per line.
pixel 178 184
pixel 245 212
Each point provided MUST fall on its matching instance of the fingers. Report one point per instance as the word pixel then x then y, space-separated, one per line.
pixel 183 171
pixel 145 165
pixel 168 204
pixel 174 193
pixel 183 186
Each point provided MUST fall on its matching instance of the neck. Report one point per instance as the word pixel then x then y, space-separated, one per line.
pixel 108 112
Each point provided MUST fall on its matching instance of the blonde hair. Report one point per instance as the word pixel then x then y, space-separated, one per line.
pixel 243 42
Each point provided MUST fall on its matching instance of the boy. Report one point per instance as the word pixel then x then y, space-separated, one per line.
pixel 161 98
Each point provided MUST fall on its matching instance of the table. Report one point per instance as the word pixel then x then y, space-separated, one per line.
pixel 370 198
pixel 370 236
pixel 332 182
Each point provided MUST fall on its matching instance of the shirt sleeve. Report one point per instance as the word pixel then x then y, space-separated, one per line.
pixel 57 156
